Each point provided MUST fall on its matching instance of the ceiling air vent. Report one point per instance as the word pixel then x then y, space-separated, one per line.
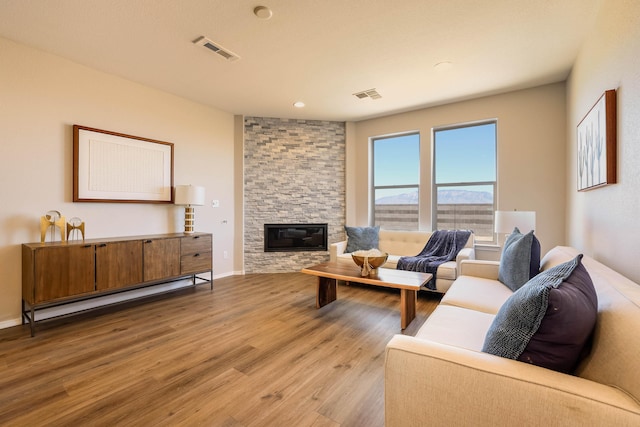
pixel 215 47
pixel 370 93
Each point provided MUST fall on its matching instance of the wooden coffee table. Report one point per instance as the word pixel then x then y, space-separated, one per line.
pixel 409 282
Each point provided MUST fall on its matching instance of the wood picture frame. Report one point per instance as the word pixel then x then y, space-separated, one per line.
pixel 119 168
pixel 596 136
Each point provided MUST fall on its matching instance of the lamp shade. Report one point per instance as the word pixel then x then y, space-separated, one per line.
pixel 506 221
pixel 189 195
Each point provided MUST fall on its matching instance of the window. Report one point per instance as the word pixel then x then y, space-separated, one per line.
pixel 464 183
pixel 396 179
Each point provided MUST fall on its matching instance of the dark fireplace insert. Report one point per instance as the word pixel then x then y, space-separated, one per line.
pixel 295 237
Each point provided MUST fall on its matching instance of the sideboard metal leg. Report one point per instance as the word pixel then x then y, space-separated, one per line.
pixel 32 321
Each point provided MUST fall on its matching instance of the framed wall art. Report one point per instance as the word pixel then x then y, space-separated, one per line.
pixel 597 144
pixel 114 167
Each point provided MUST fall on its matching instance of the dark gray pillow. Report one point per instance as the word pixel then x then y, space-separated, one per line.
pixel 520 259
pixel 561 340
pixel 547 322
pixel 362 238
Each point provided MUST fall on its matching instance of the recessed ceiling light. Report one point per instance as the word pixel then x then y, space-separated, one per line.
pixel 443 65
pixel 262 12
pixel 298 104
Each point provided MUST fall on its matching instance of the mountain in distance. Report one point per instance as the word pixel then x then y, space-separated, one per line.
pixel 457 197
pixel 400 199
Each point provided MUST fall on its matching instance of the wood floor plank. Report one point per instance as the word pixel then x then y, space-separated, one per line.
pixel 255 351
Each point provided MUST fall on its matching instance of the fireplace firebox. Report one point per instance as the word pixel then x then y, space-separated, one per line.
pixel 295 237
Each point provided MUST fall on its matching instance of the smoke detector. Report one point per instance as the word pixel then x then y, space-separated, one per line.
pixel 215 47
pixel 369 93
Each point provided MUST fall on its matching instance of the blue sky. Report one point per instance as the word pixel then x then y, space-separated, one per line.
pixel 397 160
pixel 466 154
pixel 463 154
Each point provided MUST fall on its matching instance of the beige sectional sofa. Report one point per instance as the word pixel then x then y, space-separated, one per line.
pixel 441 377
pixel 409 243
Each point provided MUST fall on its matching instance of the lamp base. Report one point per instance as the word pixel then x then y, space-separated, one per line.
pixel 189 219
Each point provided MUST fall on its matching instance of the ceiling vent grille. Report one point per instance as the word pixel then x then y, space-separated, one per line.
pixel 369 93
pixel 215 47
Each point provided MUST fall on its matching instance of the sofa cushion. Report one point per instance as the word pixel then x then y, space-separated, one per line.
pixel 520 259
pixel 549 320
pixel 362 238
pixel 403 243
pixel 456 326
pixel 477 293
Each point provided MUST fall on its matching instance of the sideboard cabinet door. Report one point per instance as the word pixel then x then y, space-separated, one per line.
pixel 161 259
pixel 64 271
pixel 118 264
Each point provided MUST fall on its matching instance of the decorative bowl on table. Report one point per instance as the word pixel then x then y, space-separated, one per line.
pixel 369 261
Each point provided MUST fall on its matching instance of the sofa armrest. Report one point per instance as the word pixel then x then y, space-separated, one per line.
pixel 336 249
pixel 480 268
pixel 464 254
pixel 428 383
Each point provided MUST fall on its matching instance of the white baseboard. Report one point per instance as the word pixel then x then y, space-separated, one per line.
pixel 220 276
pixel 10 323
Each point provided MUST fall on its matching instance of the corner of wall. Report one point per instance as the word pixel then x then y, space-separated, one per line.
pixel 238 192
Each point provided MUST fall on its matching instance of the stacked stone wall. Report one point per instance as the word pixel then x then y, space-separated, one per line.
pixel 294 173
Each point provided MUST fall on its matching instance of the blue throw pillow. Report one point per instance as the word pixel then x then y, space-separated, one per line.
pixel 362 238
pixel 520 259
pixel 548 322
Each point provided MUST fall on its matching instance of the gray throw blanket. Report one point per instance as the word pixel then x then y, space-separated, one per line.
pixel 442 246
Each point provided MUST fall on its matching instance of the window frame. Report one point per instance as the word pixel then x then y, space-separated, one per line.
pixel 435 185
pixel 373 187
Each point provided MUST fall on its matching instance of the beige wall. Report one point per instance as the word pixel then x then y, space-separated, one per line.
pixel 605 222
pixel 42 96
pixel 531 153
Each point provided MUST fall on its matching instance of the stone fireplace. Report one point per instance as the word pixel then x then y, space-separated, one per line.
pixel 294 173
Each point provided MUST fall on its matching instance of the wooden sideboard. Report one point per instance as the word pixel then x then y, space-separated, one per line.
pixel 58 273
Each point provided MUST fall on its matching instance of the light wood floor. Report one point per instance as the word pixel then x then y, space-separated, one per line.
pixel 253 352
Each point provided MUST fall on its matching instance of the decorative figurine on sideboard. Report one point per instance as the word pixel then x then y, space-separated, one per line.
pixel 51 221
pixel 75 228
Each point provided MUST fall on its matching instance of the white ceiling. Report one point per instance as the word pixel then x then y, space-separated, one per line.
pixel 316 51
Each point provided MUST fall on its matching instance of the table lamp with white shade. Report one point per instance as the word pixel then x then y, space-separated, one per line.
pixel 506 221
pixel 189 196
